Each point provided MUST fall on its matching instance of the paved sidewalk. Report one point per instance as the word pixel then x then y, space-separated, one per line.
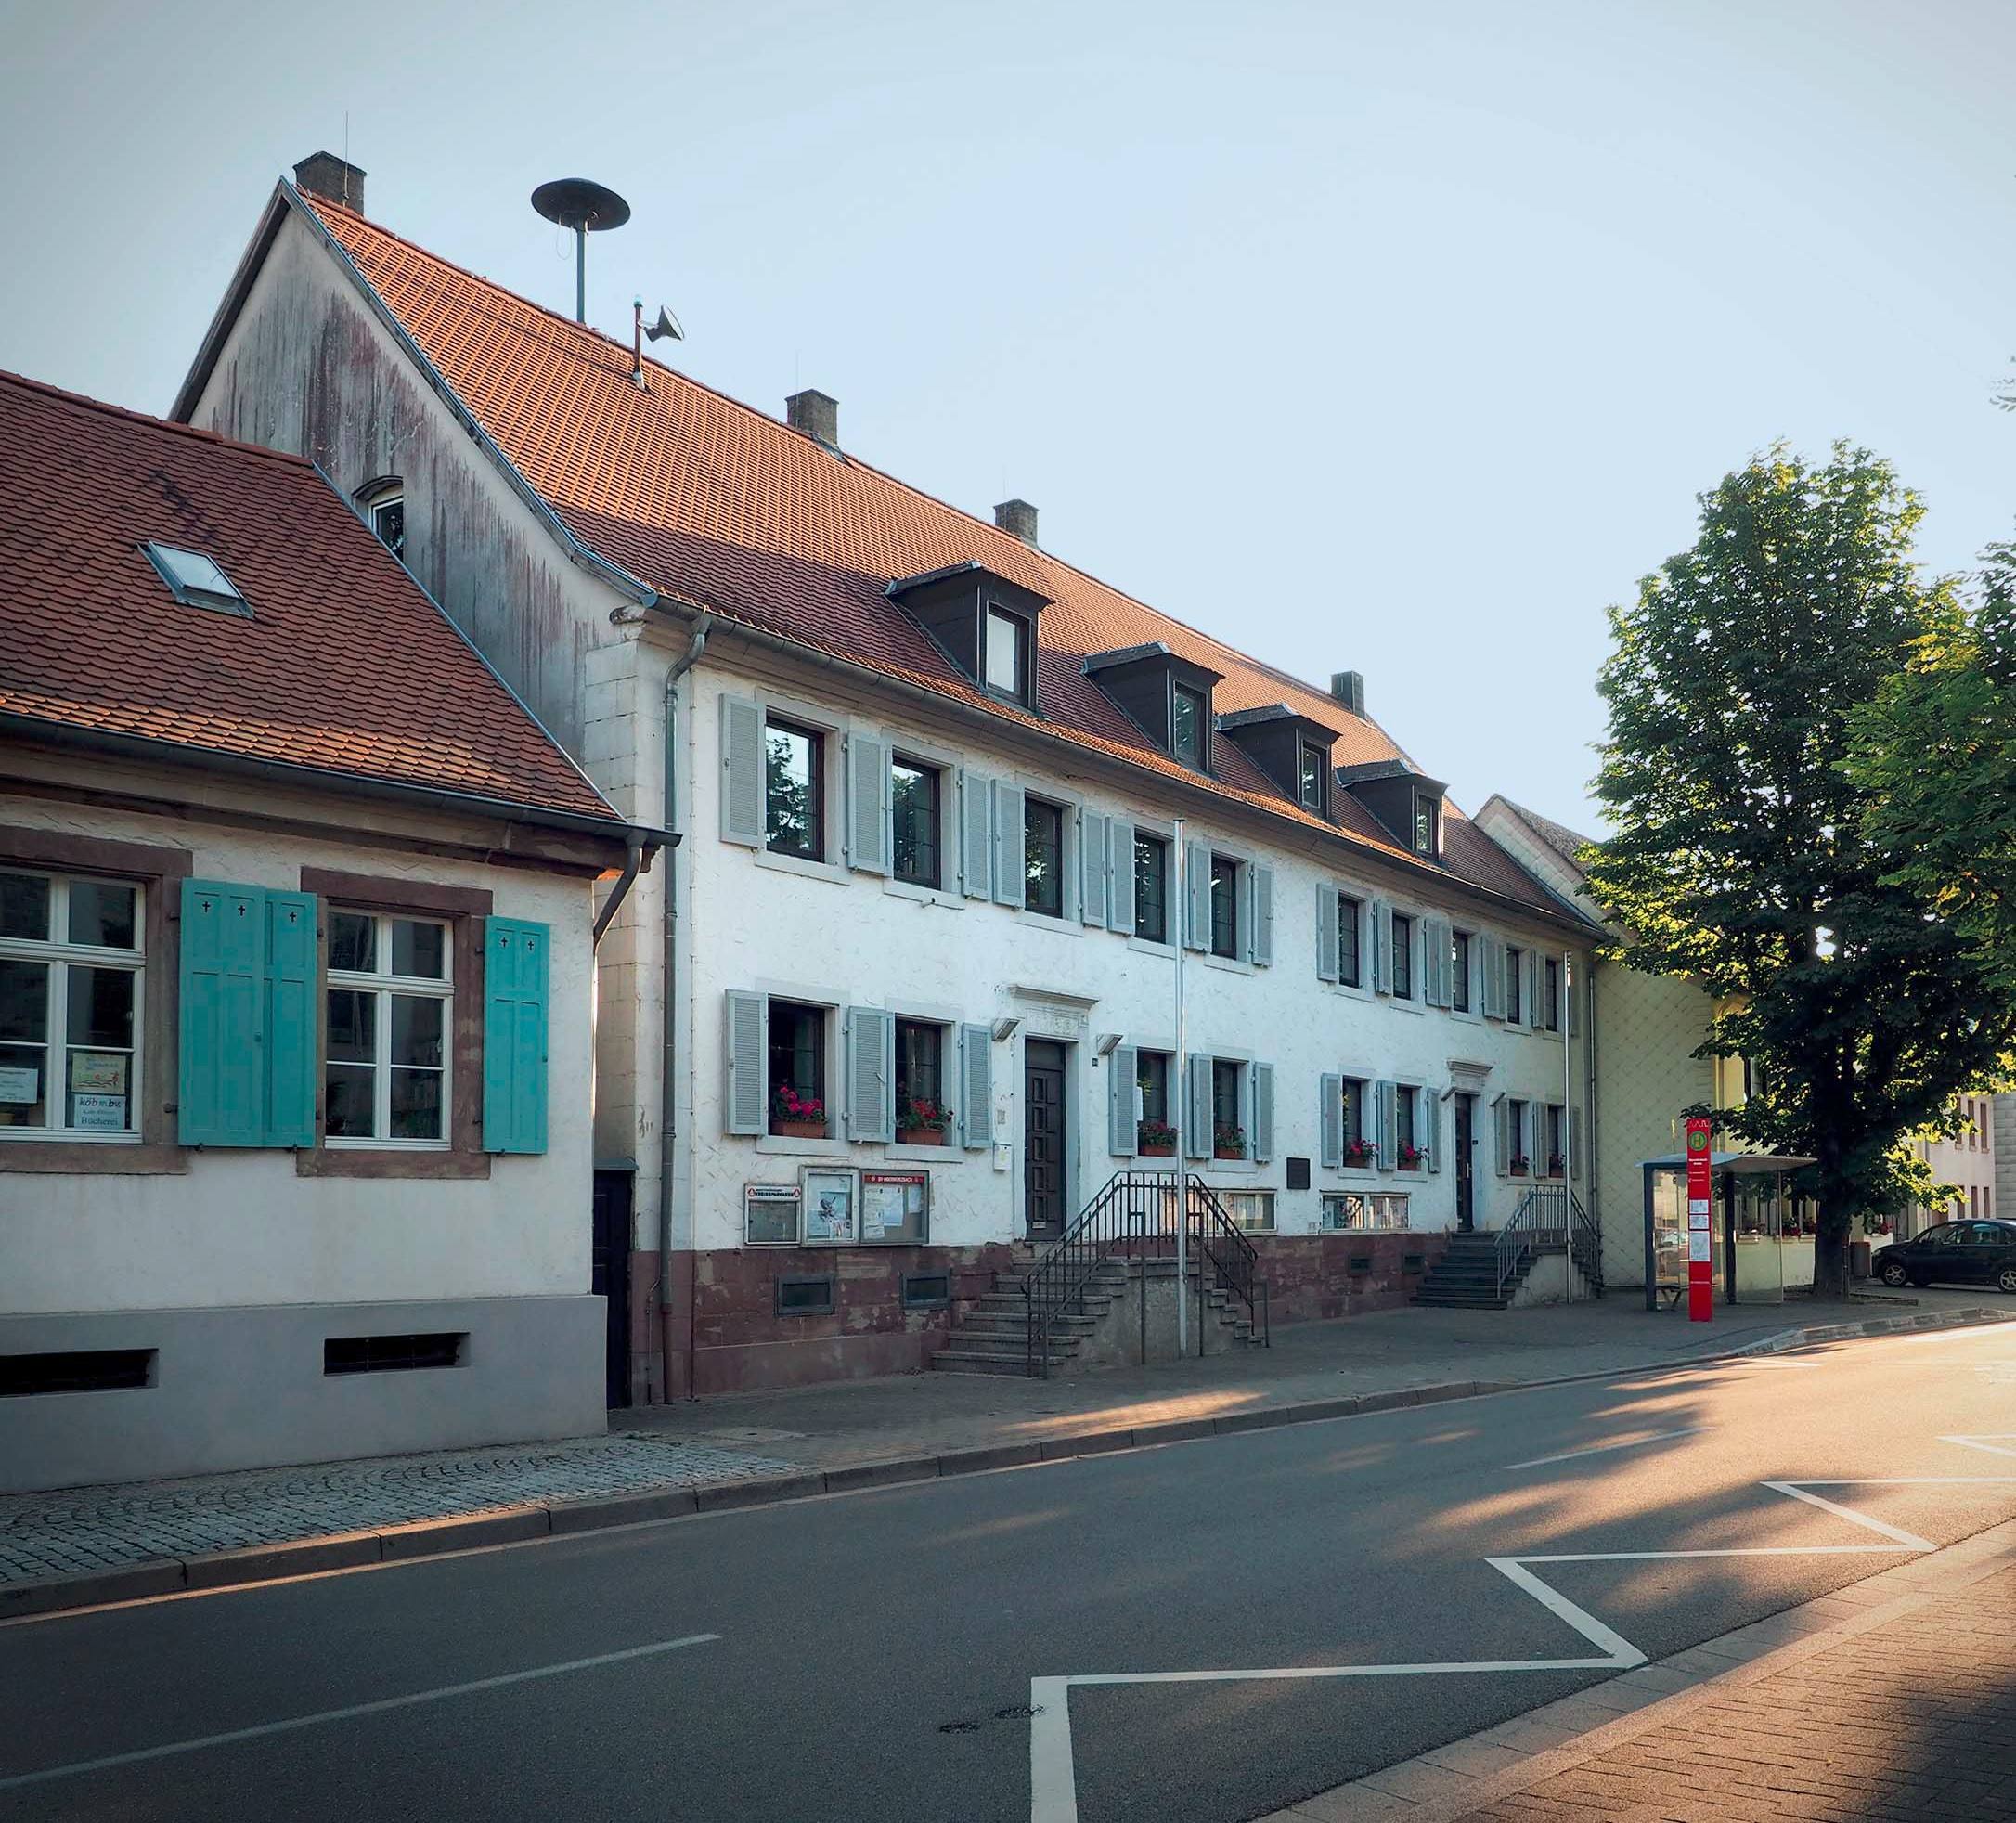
pixel 1892 1700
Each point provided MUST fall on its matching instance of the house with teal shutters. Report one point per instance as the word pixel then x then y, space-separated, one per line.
pixel 297 957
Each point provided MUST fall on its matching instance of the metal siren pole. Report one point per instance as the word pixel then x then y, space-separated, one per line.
pixel 1180 1095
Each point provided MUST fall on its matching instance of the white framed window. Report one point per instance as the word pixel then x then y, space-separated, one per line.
pixel 1350 1210
pixel 71 973
pixel 383 505
pixel 1251 1210
pixel 389 1013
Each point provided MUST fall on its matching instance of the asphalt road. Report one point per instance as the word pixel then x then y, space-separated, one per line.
pixel 872 1656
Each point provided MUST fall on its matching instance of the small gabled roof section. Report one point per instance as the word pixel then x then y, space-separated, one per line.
pixel 344 667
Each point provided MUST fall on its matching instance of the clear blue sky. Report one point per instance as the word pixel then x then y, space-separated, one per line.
pixel 1398 338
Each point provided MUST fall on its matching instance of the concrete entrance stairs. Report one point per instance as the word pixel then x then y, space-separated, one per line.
pixel 1101 1328
pixel 1465 1277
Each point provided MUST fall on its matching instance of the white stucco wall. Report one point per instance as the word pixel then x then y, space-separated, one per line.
pixel 1970 1169
pixel 825 935
pixel 239 1227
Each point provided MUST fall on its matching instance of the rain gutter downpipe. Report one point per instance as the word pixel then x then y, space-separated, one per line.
pixel 668 1040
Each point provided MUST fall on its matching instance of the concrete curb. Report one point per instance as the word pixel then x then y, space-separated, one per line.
pixel 266 1563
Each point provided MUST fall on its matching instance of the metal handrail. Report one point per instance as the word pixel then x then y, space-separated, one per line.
pixel 1550 1218
pixel 1233 1259
pixel 1586 1242
pixel 1135 1214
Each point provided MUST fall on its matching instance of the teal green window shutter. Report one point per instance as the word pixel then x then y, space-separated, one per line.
pixel 290 1025
pixel 221 1094
pixel 514 983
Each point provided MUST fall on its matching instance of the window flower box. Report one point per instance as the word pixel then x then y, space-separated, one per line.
pixel 1556 1165
pixel 1154 1139
pixel 1412 1159
pixel 1228 1142
pixel 1359 1154
pixel 1518 1164
pixel 793 1116
pixel 924 1122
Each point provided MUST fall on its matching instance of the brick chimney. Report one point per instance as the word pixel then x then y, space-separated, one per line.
pixel 813 414
pixel 1017 517
pixel 325 175
pixel 1349 688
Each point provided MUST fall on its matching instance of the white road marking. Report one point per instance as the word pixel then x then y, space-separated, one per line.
pixel 77 1767
pixel 1053 1777
pixel 1604 1449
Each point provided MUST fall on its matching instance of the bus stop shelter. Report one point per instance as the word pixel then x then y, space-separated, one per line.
pixel 1760 1234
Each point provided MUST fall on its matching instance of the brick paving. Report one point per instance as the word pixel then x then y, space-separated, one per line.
pixel 1912 1722
pixel 76 1531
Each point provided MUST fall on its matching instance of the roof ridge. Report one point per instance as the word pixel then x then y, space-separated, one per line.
pixel 318 203
pixel 84 402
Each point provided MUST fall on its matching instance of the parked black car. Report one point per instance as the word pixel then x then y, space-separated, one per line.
pixel 1953 1253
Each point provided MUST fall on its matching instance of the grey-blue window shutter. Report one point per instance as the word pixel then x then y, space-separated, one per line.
pixel 1330 1120
pixel 975 823
pixel 1259 923
pixel 868 803
pixel 1091 867
pixel 1430 1139
pixel 1121 876
pixel 1123 1097
pixel 1011 856
pixel 1262 1077
pixel 1196 895
pixel 1491 978
pixel 1379 930
pixel 745 1096
pixel 1384 1102
pixel 871 1073
pixel 1536 998
pixel 975 1087
pixel 1436 976
pixel 1198 1108
pixel 742 771
pixel 1326 946
pixel 1574 1144
pixel 1501 1136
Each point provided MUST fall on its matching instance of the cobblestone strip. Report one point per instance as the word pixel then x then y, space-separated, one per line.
pixel 78 1530
pixel 1892 1699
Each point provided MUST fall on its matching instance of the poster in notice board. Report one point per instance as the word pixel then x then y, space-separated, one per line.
pixel 896 1206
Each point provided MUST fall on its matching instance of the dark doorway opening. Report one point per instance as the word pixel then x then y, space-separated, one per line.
pixel 610 1276
pixel 1044 1138
pixel 1465 1163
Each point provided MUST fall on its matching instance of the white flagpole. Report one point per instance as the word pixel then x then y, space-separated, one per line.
pixel 1180 1095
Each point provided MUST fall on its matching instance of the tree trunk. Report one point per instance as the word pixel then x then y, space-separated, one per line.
pixel 1830 1256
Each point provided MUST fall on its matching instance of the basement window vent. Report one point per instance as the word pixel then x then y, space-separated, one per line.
pixel 927 1291
pixel 804 1296
pixel 392 1354
pixel 196 581
pixel 93 1370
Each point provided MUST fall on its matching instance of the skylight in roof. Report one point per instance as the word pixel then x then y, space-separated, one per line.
pixel 197 580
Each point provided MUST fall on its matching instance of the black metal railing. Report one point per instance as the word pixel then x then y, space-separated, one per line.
pixel 1134 1219
pixel 1550 1219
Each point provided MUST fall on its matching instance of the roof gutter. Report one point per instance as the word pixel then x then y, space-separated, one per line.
pixel 281 771
pixel 939 702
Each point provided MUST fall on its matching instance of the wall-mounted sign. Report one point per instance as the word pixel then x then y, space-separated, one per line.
pixel 770 1214
pixel 896 1206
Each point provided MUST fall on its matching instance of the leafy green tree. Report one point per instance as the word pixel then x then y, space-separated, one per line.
pixel 1935 752
pixel 1742 855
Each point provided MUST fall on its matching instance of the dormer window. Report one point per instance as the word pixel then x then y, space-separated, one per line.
pixel 383 503
pixel 1292 750
pixel 1007 655
pixel 1187 717
pixel 1314 777
pixel 983 622
pixel 196 581
pixel 1428 825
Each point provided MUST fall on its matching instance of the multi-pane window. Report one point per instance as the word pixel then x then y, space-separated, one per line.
pixel 1459 975
pixel 1403 956
pixel 1228 1135
pixel 920 1073
pixel 389 1011
pixel 1515 969
pixel 1186 725
pixel 1355 1209
pixel 1550 993
pixel 1348 913
pixel 388 520
pixel 1007 663
pixel 794 790
pixel 1557 1139
pixel 70 966
pixel 1358 1149
pixel 1042 853
pixel 1314 764
pixel 1224 906
pixel 1406 1119
pixel 913 814
pixel 1428 825
pixel 797 1060
pixel 1151 888
pixel 1251 1210
pixel 1151 1075
pixel 1514 1134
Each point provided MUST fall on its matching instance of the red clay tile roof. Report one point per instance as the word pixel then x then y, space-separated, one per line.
pixel 708 500
pixel 344 665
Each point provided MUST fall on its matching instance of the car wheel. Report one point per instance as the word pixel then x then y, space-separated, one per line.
pixel 1895 1272
pixel 2006 1278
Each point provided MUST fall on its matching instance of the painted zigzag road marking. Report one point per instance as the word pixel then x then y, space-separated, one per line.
pixel 1053 1777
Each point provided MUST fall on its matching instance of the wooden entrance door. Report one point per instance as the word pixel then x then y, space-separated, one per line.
pixel 1465 1163
pixel 1043 1139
